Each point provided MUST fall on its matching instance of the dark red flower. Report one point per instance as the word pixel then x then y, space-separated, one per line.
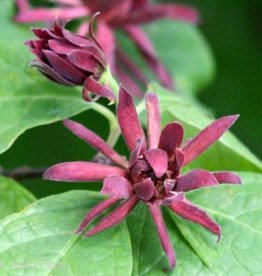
pixel 70 59
pixel 125 15
pixel 152 174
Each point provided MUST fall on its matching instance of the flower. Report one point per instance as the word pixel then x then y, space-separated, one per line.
pixel 152 174
pixel 133 13
pixel 70 59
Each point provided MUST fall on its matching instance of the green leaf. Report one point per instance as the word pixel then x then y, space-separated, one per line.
pixel 27 99
pixel 13 196
pixel 41 240
pixel 226 154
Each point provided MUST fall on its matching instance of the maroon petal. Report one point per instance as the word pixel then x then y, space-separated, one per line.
pixel 75 39
pixel 153 120
pixel 117 186
pixel 22 5
pixel 96 142
pixel 45 14
pixel 81 172
pixel 163 234
pixel 95 87
pixel 115 217
pixel 187 210
pixel 171 137
pixel 64 68
pixel 128 82
pixel 207 137
pixel 172 11
pixel 94 212
pixel 179 160
pixel 131 66
pixel 195 179
pixel 227 177
pixel 50 72
pixel 45 33
pixel 84 60
pixel 136 152
pixel 158 160
pixel 145 189
pixel 146 48
pixel 129 121
pixel 61 47
pixel 106 38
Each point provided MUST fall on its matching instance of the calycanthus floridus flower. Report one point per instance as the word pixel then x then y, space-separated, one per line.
pixel 70 59
pixel 152 174
pixel 127 16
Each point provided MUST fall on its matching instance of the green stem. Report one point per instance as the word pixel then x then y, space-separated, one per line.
pixel 114 130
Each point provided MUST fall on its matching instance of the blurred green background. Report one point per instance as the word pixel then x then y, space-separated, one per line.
pixel 233 29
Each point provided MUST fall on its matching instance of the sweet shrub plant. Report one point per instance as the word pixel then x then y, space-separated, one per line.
pixel 151 210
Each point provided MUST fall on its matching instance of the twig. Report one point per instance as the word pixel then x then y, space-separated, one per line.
pixel 23 172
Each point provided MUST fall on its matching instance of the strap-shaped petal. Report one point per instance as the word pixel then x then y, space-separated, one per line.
pixel 96 211
pixel 158 161
pixel 187 210
pixel 147 50
pixel 171 137
pixel 227 177
pixel 129 121
pixel 64 67
pixel 47 15
pixel 145 189
pixel 95 87
pixel 115 217
pixel 136 152
pixel 163 234
pixel 81 171
pixel 207 137
pixel 95 141
pixel 173 11
pixel 117 186
pixel 153 120
pixel 195 179
pixel 84 60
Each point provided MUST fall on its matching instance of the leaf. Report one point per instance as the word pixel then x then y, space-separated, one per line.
pixel 13 196
pixel 27 99
pixel 226 154
pixel 45 231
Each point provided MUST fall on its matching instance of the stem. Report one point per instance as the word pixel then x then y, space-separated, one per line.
pixel 114 130
pixel 23 172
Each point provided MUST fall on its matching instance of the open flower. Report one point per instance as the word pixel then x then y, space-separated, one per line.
pixel 133 14
pixel 152 174
pixel 70 59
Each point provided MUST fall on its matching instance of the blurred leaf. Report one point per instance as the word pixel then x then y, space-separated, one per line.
pixel 45 231
pixel 226 154
pixel 26 98
pixel 186 53
pixel 13 196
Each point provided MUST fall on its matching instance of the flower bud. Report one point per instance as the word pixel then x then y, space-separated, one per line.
pixel 70 59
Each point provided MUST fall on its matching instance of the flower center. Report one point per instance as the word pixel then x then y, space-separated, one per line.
pixel 147 185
